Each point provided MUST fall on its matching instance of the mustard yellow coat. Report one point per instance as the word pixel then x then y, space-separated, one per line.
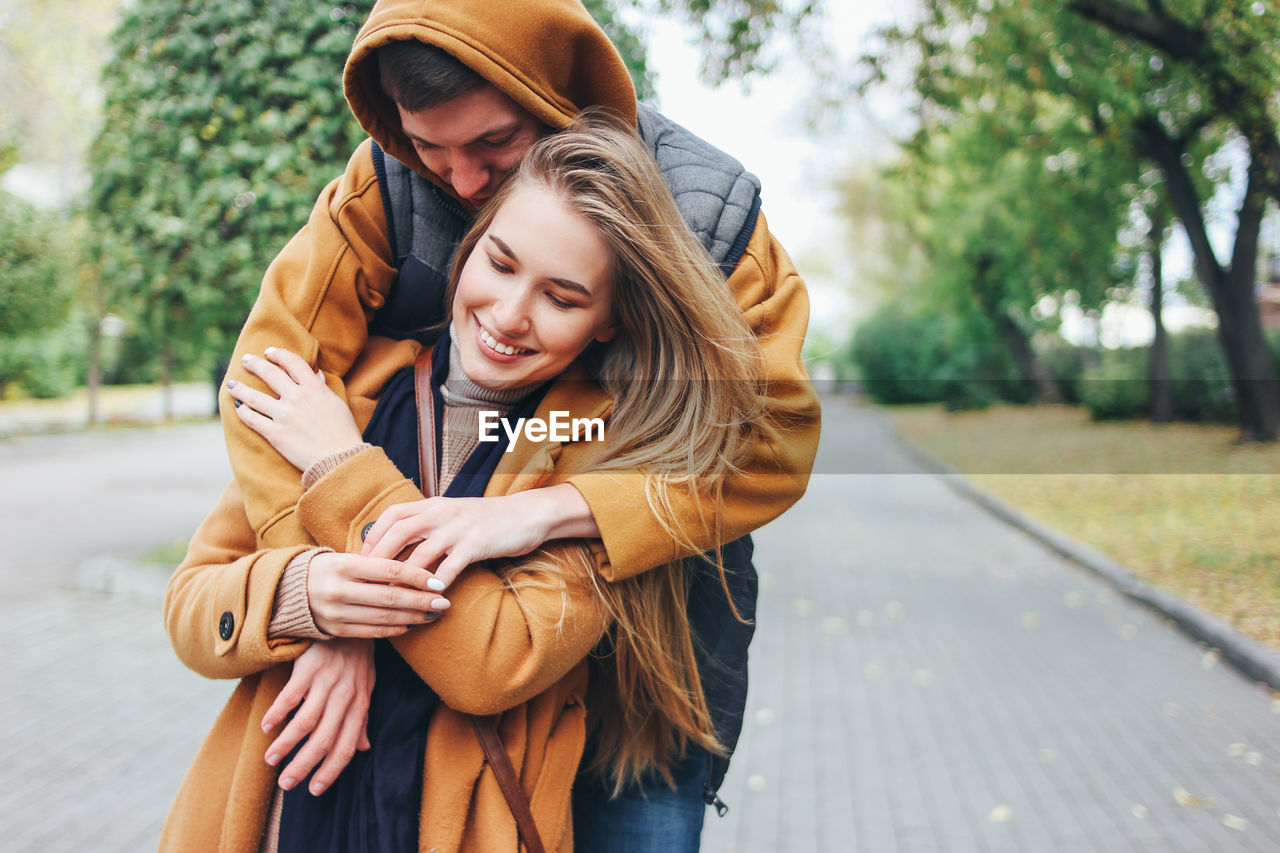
pixel 490 653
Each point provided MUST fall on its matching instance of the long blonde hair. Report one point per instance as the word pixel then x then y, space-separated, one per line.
pixel 685 375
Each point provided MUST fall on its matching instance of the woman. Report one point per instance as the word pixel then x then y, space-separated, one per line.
pixel 579 290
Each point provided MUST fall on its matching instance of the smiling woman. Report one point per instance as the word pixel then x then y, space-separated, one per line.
pixel 534 292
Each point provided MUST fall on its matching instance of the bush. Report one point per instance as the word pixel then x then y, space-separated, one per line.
pixel 1116 387
pixel 45 366
pixel 1201 383
pixel 1065 364
pixel 899 354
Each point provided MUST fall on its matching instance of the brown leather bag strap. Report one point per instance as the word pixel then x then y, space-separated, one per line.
pixel 426 404
pixel 500 763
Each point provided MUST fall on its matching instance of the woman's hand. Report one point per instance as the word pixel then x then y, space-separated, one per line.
pixel 305 421
pixel 368 597
pixel 456 532
pixel 333 679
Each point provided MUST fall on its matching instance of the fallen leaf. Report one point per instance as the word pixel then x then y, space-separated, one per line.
pixel 1000 814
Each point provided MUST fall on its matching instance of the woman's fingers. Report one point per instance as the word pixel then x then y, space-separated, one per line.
pixel 253 398
pixel 256 421
pixel 276 378
pixel 351 734
pixel 289 697
pixel 304 723
pixel 391 517
pixel 322 740
pixel 292 363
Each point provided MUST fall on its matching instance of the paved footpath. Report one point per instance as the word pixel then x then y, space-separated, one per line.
pixel 924 678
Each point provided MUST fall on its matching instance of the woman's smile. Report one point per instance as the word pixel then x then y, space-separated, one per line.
pixel 496 349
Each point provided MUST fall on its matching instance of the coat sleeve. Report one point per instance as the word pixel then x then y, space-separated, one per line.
pixel 218 603
pixel 506 637
pixel 776 470
pixel 317 299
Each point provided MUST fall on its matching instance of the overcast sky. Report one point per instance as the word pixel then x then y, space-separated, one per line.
pixel 765 129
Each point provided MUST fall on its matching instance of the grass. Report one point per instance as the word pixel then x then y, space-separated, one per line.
pixel 1183 506
pixel 167 554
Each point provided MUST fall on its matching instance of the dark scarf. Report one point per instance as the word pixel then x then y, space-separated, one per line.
pixel 373 807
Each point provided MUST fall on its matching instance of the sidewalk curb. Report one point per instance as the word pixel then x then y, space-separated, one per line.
pixel 1251 658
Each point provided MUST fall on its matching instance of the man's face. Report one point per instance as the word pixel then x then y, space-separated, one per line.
pixel 472 142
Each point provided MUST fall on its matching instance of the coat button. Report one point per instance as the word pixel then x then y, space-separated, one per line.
pixel 226 625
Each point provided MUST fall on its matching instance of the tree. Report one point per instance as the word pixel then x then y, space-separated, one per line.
pixel 1013 191
pixel 35 287
pixel 1123 90
pixel 222 123
pixel 1232 52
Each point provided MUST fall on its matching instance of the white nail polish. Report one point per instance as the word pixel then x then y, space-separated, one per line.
pixel 435 585
pixel 268 350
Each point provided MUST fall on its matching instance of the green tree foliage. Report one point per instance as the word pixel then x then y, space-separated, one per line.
pixel 35 286
pixel 1014 191
pixel 222 123
pixel 1004 86
pixel 35 289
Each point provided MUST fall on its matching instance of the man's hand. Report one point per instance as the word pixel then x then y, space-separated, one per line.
pixel 369 597
pixel 333 679
pixel 305 421
pixel 456 532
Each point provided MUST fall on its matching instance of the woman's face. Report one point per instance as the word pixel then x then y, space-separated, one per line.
pixel 535 292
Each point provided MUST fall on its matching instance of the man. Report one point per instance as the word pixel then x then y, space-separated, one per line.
pixel 448 122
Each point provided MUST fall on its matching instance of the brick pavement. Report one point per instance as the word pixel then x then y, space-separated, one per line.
pixel 923 678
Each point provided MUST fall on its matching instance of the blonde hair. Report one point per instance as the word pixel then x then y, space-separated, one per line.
pixel 685 375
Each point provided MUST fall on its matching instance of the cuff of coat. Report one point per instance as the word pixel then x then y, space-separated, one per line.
pixel 352 495
pixel 320 467
pixel 632 538
pixel 291 614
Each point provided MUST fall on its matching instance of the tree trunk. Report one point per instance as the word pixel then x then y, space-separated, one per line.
pixel 1230 289
pixel 1158 359
pixel 166 383
pixel 93 377
pixel 1030 371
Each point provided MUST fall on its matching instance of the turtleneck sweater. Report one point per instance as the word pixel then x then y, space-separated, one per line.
pixel 463 402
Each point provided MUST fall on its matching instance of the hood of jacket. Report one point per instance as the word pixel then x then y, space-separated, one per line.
pixel 549 56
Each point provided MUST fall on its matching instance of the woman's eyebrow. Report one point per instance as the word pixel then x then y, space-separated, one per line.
pixel 567 283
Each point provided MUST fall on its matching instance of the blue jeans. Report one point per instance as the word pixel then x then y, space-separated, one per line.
pixel 646 819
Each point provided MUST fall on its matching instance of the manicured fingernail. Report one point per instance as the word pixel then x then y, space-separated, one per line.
pixel 435 585
pixel 266 727
pixel 273 759
pixel 428 618
pixel 440 604
pixel 231 383
pixel 317 788
pixel 288 782
pixel 246 358
pixel 268 350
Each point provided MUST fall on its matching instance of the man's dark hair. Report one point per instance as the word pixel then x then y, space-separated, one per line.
pixel 417 75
